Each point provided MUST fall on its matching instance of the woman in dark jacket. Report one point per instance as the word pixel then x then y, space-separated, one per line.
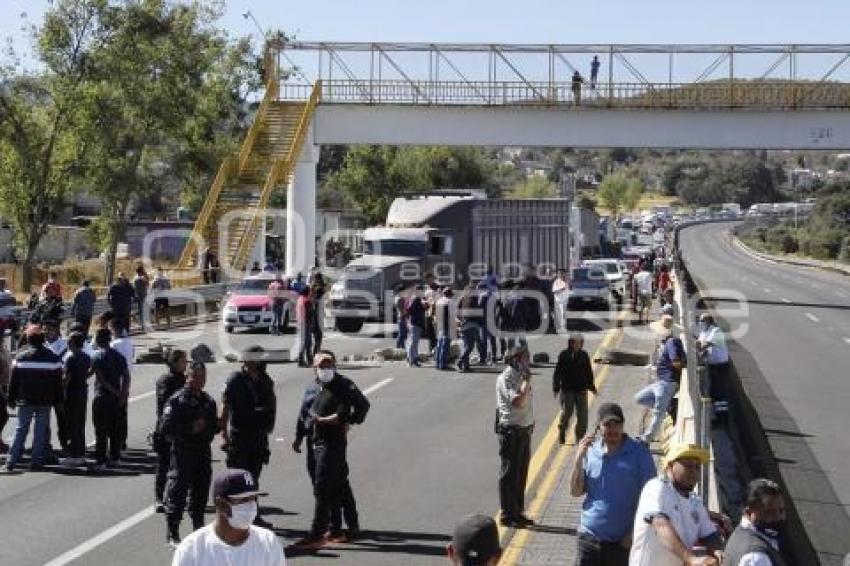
pixel 572 379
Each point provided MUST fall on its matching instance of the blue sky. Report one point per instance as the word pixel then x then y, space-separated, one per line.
pixel 527 21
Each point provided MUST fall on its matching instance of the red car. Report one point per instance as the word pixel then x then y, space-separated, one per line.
pixel 249 305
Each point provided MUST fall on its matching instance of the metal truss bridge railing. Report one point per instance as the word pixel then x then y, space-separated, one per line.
pixel 706 77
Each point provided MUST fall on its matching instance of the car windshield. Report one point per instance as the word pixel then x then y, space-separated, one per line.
pixel 398 248
pixel 585 274
pixel 253 287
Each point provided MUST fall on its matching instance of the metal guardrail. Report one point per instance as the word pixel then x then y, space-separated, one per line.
pixel 720 95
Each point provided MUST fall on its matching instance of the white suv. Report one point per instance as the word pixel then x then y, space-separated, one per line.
pixel 615 274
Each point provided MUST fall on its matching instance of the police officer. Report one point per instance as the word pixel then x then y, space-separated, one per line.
pixel 248 415
pixel 190 422
pixel 330 416
pixel 167 385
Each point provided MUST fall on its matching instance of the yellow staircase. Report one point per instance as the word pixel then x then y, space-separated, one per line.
pixel 245 182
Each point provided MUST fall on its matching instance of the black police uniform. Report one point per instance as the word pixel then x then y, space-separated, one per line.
pixel 252 414
pixel 330 442
pixel 166 386
pixel 191 457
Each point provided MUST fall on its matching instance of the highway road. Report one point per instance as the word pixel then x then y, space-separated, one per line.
pixel 426 456
pixel 792 348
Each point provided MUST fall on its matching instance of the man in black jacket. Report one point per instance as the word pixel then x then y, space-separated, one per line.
pixel 120 298
pixel 166 386
pixel 249 407
pixel 572 379
pixel 330 416
pixel 190 422
pixel 35 387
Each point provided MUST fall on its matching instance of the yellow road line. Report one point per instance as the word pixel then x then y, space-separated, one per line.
pixel 549 442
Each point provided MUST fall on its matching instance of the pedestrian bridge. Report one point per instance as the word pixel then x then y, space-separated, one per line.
pixel 665 96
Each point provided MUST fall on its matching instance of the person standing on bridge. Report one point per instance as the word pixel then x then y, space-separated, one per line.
pixel 248 412
pixel 594 71
pixel 571 381
pixel 756 540
pixel 610 471
pixel 514 425
pixel 190 422
pixel 166 386
pixel 576 88
pixel 711 345
pixel 232 539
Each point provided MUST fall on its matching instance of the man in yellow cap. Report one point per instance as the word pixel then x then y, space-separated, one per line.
pixel 671 521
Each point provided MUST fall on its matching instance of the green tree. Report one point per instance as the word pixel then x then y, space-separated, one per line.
pixel 39 149
pixel 633 194
pixel 163 89
pixel 612 192
pixel 534 187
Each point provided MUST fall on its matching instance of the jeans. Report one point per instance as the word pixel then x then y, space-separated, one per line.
pixel 141 303
pixel 573 401
pixel 413 337
pixel 317 338
pixel 515 454
pixel 26 414
pixel 594 552
pixel 306 346
pixel 718 389
pixel 467 336
pixel 487 345
pixel 443 350
pixel 657 397
pixel 401 338
pixel 330 472
pixel 277 318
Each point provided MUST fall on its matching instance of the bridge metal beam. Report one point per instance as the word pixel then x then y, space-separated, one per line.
pixel 552 127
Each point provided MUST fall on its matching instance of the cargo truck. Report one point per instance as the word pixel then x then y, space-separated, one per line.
pixel 458 239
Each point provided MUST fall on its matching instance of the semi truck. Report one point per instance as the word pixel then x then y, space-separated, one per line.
pixel 459 239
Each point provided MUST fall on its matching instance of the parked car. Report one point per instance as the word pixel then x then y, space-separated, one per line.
pixel 589 288
pixel 615 274
pixel 248 305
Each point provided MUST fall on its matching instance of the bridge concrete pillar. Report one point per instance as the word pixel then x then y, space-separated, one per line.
pixel 301 211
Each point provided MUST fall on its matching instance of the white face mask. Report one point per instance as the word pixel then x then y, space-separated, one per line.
pixel 242 515
pixel 325 375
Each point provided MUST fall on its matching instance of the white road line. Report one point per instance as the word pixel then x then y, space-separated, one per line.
pixel 378 385
pixel 97 540
pixel 134 520
pixel 786 301
pixel 812 317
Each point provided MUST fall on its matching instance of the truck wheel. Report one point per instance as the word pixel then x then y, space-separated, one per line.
pixel 349 324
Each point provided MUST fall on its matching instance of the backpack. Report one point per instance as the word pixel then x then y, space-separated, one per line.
pixel 360 405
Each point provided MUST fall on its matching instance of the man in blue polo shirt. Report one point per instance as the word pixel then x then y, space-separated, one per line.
pixel 610 471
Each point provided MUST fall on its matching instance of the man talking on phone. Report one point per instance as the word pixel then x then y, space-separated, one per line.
pixel 610 472
pixel 514 425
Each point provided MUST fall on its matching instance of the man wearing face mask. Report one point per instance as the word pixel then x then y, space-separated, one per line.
pixel 189 422
pixel 671 519
pixel 330 415
pixel 756 540
pixel 232 539
pixel 514 425
pixel 248 414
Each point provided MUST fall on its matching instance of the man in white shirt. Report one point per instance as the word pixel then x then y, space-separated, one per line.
pixel 671 519
pixel 561 291
pixel 711 344
pixel 232 539
pixel 643 285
